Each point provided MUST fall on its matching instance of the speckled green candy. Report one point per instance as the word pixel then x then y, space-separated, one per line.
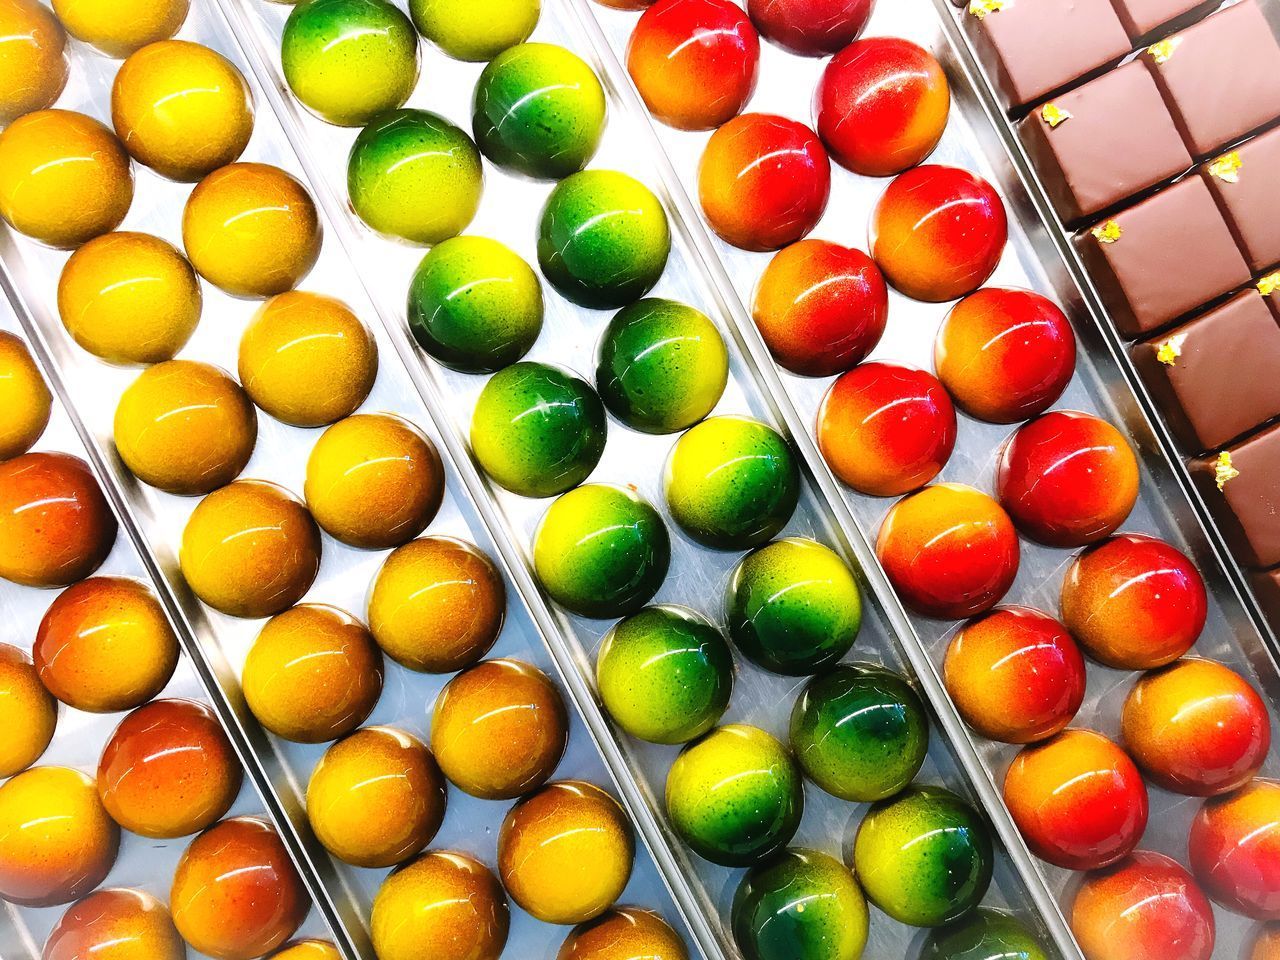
pixel 984 935
pixel 662 366
pixel 475 29
pixel 601 551
pixel 603 238
pixel 732 483
pixel 665 674
pixel 414 176
pixel 537 430
pixel 924 857
pixel 800 905
pixel 538 110
pixel 475 305
pixel 347 60
pixel 793 607
pixel 860 732
pixel 735 796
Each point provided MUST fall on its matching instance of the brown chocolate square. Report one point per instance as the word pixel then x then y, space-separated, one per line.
pixel 1269 287
pixel 1242 487
pixel 1246 183
pixel 1142 17
pixel 1266 587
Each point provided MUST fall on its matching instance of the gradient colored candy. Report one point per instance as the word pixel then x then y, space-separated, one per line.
pixel 810 28
pixel 793 607
pixel 445 899
pixel 801 905
pixel 25 401
pixel 539 110
pixel 348 60
pixel 308 950
pixel 735 796
pixel 412 175
pixel 603 239
pixel 537 430
pixel 624 933
pixel 763 181
pixel 881 105
pixel 115 925
pixel 1134 602
pixel 938 232
pixel 1145 908
pixel 1015 675
pixel 731 483
pixel 1078 800
pixel 475 305
pixel 1067 478
pixel 661 366
pixel 984 935
pixel 665 674
pixel 119 27
pixel 820 307
pixel 471 30
pixel 694 61
pixel 950 551
pixel 860 732
pixel 885 429
pixel 601 551
pixel 27 712
pixel 1235 850
pixel 1266 946
pixel 33 60
pixel 1005 355
pixel 924 857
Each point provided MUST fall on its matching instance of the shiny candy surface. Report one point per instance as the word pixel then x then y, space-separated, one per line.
pixel 250 549
pixel 27 712
pixel 603 238
pixel 348 60
pixel 661 366
pixel 56 841
pixel 119 27
pixel 1067 478
pixel 731 483
pixel 885 429
pixel 308 950
pixel 235 893
pixel 1078 800
pixel 1235 850
pixel 445 899
pixel 251 229
pixel 625 933
pixel 115 925
pixel 1005 355
pixel 314 673
pixel 412 175
pixel 763 181
pixel 793 607
pixel 1266 946
pixel 1145 908
pixel 984 935
pixel 168 770
pixel 665 674
pixel 498 729
pixel 129 298
pixel 924 857
pixel 25 401
pixel 469 30
pixel 64 177
pixel 801 905
pixel 33 60
pixel 810 28
pixel 1134 602
pixel 376 769
pixel 735 796
pixel 437 604
pixel 105 645
pixel 475 305
pixel 950 551
pixel 538 110
pixel 185 427
pixel 820 307
pixel 1015 674
pixel 56 527
pixel 181 109
pixel 694 61
pixel 938 232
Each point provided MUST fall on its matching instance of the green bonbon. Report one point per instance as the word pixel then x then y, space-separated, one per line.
pixel 984 935
pixel 475 29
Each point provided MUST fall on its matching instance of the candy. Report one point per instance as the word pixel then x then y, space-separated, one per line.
pixel 33 60
pixel 446 899
pixel 625 933
pixel 1235 850
pixel 468 30
pixel 811 28
pixel 115 925
pixel 984 935
pixel 119 27
pixel 25 401
pixel 27 711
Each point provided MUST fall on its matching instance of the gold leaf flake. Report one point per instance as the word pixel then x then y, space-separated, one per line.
pixel 1052 114
pixel 1108 232
pixel 1162 51
pixel 1227 167
pixel 1223 470
pixel 1169 351
pixel 980 8
pixel 1269 284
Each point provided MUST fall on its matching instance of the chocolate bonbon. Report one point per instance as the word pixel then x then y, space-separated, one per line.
pixel 1243 180
pixel 1238 483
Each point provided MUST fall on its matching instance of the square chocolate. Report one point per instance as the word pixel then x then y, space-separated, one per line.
pixel 1142 17
pixel 1103 142
pixel 1240 486
pixel 1269 287
pixel 1221 77
pixel 1217 376
pixel 1034 47
pixel 1266 587
pixel 1162 258
pixel 1244 181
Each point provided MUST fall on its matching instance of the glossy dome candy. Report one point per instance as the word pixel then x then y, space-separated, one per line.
pixel 115 925
pixel 1078 800
pixel 938 232
pixel 763 181
pixel 308 950
pixel 984 935
pixel 1067 478
pixel 119 27
pixel 624 933
pixel 1266 945
pixel 25 401
pixel 33 60
pixel 1235 850
pixel 467 30
pixel 1005 355
pixel 949 550
pixel 810 28
pixel 694 61
pixel 445 899
pixel 881 105
pixel 27 712
pixel 885 429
